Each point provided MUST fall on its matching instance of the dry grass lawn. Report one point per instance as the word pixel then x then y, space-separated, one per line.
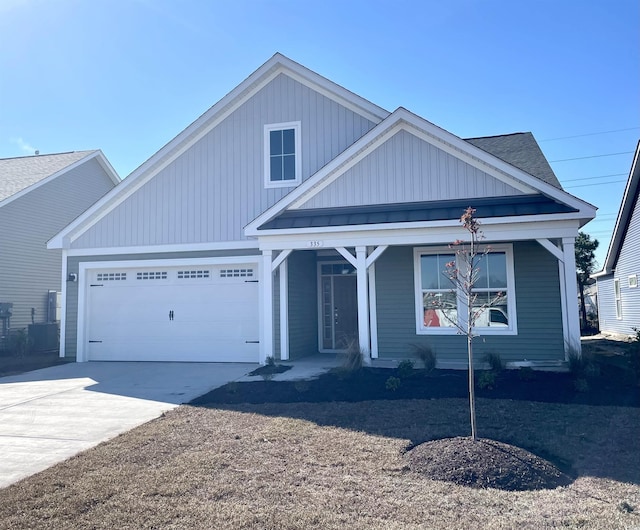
pixel 334 465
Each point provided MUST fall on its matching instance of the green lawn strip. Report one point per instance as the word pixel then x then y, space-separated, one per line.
pixel 334 465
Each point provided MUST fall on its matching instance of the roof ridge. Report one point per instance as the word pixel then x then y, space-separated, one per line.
pixel 40 155
pixel 497 135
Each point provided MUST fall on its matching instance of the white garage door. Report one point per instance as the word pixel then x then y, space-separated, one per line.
pixel 195 313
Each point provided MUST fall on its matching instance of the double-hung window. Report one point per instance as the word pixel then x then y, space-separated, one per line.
pixel 440 304
pixel 282 154
pixel 618 296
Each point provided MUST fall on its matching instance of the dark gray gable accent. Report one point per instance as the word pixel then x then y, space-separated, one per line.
pixel 416 212
pixel 520 150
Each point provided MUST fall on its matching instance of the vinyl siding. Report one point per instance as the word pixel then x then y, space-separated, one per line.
pixel 628 264
pixel 27 269
pixel 216 187
pixel 539 314
pixel 73 265
pixel 303 304
pixel 407 169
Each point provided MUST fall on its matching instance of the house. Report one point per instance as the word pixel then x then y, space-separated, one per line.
pixel 295 216
pixel 40 195
pixel 617 282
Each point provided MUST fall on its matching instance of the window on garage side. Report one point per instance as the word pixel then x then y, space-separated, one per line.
pixel 618 297
pixel 282 154
pixel 495 275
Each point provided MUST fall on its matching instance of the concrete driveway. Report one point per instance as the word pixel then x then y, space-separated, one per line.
pixel 49 415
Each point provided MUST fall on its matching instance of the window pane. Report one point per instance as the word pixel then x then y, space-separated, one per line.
pixel 276 168
pixel 275 139
pixel 434 271
pixel 497 265
pixel 288 141
pixel 439 309
pixel 495 316
pixel 289 164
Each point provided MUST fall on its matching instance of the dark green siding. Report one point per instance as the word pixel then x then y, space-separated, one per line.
pixel 303 304
pixel 539 314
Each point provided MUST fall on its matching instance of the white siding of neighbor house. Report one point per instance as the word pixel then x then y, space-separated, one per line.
pixel 628 264
pixel 27 269
pixel 217 186
pixel 408 169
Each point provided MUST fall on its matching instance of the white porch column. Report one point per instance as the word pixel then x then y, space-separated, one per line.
pixel 284 311
pixel 266 307
pixel 363 304
pixel 63 305
pixel 571 289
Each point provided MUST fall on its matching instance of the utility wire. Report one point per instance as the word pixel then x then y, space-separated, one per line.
pixel 592 156
pixel 595 184
pixel 592 178
pixel 588 134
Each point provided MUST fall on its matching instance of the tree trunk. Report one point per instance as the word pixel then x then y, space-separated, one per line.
pixel 472 393
pixel 583 307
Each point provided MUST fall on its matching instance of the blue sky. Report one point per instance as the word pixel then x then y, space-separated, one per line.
pixel 126 76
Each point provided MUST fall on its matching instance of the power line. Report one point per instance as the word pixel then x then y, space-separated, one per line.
pixel 595 184
pixel 588 134
pixel 592 156
pixel 592 178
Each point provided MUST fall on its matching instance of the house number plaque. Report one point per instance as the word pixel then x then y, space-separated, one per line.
pixel 315 244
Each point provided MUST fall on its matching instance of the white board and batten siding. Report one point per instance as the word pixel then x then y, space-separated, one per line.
pixel 404 169
pixel 210 192
pixel 199 312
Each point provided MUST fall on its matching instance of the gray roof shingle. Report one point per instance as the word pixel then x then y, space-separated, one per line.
pixel 17 174
pixel 520 150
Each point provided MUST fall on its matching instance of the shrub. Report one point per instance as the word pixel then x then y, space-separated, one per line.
pixel 581 385
pixel 392 384
pixel 494 361
pixel 19 343
pixel 425 353
pixel 270 361
pixel 405 369
pixel 352 358
pixel 487 379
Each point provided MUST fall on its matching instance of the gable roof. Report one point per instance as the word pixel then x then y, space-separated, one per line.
pixel 629 199
pixel 520 150
pixel 19 175
pixel 464 150
pixel 278 64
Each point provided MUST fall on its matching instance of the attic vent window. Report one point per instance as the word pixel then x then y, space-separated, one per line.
pixel 183 275
pixel 633 281
pixel 111 276
pixel 236 273
pixel 162 275
pixel 282 164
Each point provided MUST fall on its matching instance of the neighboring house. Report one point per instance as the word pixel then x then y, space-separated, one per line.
pixel 618 291
pixel 295 216
pixel 40 195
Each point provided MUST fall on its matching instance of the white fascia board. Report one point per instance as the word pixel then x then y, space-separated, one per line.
pixel 46 180
pixel 209 120
pixel 183 262
pixel 155 249
pixel 401 119
pixel 108 168
pixel 433 235
pixel 624 215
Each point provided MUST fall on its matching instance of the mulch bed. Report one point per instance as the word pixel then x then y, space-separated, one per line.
pixel 11 364
pixel 484 464
pixel 610 387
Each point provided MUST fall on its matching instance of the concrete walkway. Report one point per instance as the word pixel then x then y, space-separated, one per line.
pixel 49 415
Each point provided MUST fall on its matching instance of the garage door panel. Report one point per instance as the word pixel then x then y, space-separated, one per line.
pixel 213 318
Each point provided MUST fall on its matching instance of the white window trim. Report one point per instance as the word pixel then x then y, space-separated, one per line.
pixel 633 281
pixel 617 295
pixel 511 289
pixel 268 183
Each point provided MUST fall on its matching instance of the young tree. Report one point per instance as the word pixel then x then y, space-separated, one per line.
pixel 585 265
pixel 463 273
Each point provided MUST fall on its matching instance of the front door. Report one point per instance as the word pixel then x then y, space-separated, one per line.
pixel 339 306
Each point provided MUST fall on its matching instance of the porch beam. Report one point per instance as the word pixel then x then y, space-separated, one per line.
pixel 552 248
pixel 266 307
pixel 363 306
pixel 348 256
pixel 280 258
pixel 377 252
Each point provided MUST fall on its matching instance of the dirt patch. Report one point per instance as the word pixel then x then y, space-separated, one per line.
pixel 484 464
pixel 16 364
